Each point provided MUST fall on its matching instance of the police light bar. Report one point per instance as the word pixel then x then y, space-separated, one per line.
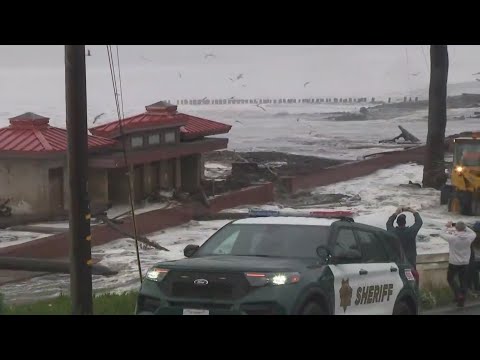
pixel 333 214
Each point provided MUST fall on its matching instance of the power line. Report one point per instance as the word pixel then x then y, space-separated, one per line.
pixel 424 57
pixel 120 81
pixel 124 147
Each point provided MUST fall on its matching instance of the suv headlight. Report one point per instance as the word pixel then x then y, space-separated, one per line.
pixel 277 278
pixel 156 274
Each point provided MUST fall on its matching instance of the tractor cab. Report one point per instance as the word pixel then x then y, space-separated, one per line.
pixel 463 193
pixel 466 153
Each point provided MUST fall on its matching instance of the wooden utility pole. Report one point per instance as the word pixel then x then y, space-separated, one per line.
pixel 434 167
pixel 80 238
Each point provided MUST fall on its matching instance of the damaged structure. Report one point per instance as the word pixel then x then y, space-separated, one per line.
pixel 164 148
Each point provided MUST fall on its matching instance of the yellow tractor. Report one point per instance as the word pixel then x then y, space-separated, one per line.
pixel 463 193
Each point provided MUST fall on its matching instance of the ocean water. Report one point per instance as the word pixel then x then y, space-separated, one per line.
pixel 32 78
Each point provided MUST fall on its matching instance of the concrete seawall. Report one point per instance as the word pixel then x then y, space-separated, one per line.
pixel 432 269
pixel 57 246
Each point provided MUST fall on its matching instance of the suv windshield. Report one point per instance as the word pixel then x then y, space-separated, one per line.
pixel 293 241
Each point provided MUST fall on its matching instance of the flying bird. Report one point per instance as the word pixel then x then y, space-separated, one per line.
pixel 478 73
pixel 233 97
pixel 244 85
pixel 238 121
pixel 305 85
pixel 209 55
pixel 261 107
pixel 97 117
pixel 205 98
pixel 145 59
pixel 240 76
pixel 232 80
pixel 179 74
pixel 415 74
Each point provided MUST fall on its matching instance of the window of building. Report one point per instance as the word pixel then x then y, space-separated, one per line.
pixel 154 139
pixel 170 137
pixel 137 141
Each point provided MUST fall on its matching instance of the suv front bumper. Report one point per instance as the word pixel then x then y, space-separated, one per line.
pixel 268 300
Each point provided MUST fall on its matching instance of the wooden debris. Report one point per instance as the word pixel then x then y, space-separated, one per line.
pixel 406 135
pixel 143 239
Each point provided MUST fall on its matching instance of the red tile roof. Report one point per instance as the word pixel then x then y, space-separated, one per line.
pixel 197 127
pixel 163 115
pixel 31 133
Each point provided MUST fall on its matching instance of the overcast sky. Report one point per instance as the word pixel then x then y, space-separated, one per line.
pixel 340 70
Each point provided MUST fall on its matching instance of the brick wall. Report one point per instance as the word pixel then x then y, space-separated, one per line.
pixel 353 170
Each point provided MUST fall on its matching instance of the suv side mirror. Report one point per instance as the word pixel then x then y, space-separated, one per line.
pixel 323 252
pixel 190 250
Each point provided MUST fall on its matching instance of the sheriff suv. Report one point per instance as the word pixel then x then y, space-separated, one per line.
pixel 272 262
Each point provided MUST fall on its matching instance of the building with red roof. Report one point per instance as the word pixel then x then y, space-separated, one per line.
pixel 164 151
pixel 33 162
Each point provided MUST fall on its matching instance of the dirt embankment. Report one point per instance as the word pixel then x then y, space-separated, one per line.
pixel 283 164
pixel 249 168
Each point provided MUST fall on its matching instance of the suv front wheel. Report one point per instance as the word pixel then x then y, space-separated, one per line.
pixel 402 308
pixel 313 308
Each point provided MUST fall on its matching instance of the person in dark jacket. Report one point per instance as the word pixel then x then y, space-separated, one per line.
pixel 406 234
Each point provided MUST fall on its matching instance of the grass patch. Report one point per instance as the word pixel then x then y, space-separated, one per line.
pixel 107 304
pixel 124 304
pixel 431 298
pixel 2 304
pixel 435 297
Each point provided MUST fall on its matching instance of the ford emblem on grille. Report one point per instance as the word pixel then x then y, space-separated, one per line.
pixel 201 282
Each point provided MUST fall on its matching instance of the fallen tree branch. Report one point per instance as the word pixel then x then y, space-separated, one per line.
pixel 140 238
pixel 271 171
pixel 240 157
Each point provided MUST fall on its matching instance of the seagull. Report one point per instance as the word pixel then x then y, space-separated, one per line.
pixel 261 107
pixel 416 74
pixel 98 117
pixel 205 98
pixel 478 73
pixel 238 121
pixel 88 52
pixel 232 80
pixel 233 97
pixel 209 55
pixel 179 74
pixel 240 76
pixel 145 59
pixel 305 85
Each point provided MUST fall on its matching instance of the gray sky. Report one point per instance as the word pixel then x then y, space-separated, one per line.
pixel 268 70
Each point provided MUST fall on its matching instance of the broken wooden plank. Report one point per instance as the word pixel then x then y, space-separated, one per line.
pixel 47 266
pixel 39 229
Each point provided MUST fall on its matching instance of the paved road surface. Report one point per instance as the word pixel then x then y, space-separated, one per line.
pixel 469 309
